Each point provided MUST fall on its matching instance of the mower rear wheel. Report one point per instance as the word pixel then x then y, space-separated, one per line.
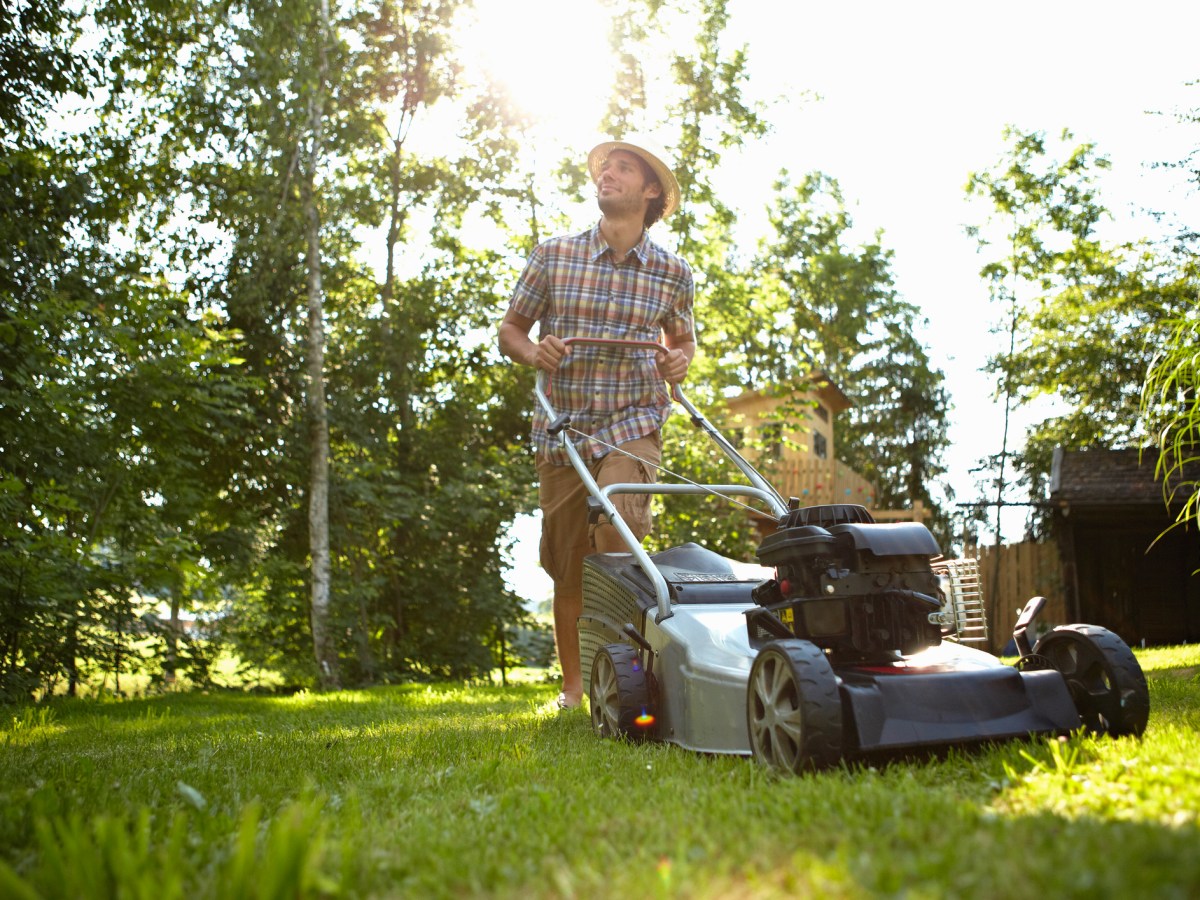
pixel 1105 680
pixel 793 708
pixel 619 695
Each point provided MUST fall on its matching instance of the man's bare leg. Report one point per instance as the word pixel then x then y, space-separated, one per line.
pixel 568 607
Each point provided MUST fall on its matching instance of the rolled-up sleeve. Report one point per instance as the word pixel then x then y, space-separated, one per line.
pixel 531 296
pixel 679 322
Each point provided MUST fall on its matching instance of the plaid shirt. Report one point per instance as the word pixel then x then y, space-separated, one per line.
pixel 574 287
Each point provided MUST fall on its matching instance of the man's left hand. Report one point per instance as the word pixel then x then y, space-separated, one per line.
pixel 672 366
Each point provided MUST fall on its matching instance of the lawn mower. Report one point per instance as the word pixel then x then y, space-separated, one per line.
pixel 849 639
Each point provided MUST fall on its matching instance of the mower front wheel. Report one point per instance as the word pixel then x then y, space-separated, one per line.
pixel 619 694
pixel 793 707
pixel 1103 676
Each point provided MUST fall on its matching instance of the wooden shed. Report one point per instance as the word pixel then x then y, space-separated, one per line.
pixel 1109 513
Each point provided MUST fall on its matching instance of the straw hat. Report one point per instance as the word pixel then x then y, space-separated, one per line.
pixel 655 159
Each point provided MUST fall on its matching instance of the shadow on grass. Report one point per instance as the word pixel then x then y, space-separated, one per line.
pixel 203 709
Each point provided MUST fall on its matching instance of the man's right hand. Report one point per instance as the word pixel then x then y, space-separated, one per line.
pixel 515 343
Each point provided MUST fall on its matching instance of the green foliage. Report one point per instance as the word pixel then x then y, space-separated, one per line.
pixel 828 307
pixel 135 856
pixel 38 67
pixel 1080 311
pixel 154 441
pixel 416 414
pixel 1169 399
pixel 1169 403
pixel 713 115
pixel 116 392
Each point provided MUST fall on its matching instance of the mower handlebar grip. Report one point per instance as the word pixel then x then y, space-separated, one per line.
pixel 676 394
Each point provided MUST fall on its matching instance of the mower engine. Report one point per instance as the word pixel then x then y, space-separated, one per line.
pixel 864 591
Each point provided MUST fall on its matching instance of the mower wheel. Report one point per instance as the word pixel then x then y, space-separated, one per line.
pixel 793 708
pixel 1105 680
pixel 619 695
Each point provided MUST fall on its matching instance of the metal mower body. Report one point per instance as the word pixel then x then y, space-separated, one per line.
pixel 702 657
pixel 849 638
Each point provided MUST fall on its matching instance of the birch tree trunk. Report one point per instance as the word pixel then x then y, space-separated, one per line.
pixel 324 648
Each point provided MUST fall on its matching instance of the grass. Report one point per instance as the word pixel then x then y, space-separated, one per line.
pixel 453 791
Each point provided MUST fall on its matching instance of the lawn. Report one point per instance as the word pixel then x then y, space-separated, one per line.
pixel 453 791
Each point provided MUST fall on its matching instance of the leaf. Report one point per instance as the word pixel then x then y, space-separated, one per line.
pixel 194 798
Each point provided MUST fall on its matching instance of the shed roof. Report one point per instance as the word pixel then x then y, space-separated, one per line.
pixel 817 381
pixel 1110 478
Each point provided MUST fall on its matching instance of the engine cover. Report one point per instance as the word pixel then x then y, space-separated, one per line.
pixel 860 589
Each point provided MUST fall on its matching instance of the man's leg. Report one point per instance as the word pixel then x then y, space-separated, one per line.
pixel 568 606
pixel 633 463
pixel 562 498
pixel 609 540
pixel 567 538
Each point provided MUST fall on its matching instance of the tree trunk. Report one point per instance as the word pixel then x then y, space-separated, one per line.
pixel 324 647
pixel 396 375
pixel 72 653
pixel 171 662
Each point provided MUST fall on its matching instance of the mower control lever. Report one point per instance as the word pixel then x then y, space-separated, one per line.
pixel 638 638
pixel 1020 637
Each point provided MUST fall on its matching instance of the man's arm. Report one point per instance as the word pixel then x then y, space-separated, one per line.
pixel 517 345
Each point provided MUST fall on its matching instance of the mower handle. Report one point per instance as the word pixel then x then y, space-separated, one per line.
pixel 559 422
pixel 676 394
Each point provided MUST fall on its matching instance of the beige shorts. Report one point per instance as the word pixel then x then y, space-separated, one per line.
pixel 566 535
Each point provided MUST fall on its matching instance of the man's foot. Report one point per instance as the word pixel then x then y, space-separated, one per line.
pixel 569 701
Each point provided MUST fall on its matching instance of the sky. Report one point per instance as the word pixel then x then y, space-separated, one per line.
pixel 915 96
pixel 910 98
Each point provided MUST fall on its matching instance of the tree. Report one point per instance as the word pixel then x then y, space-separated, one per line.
pixel 115 381
pixel 1170 399
pixel 318 480
pixel 832 308
pixel 235 129
pixel 1079 310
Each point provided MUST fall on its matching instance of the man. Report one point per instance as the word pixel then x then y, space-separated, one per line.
pixel 611 281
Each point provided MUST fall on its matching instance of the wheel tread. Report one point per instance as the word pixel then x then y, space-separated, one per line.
pixel 819 704
pixel 1121 667
pixel 632 690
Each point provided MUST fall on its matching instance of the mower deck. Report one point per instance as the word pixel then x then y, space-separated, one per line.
pixel 703 656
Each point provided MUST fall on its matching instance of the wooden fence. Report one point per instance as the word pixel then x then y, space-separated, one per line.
pixel 1010 575
pixel 818 481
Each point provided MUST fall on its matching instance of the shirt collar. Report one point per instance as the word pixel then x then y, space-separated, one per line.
pixel 597 246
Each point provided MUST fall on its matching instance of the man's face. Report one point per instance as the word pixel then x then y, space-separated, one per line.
pixel 622 187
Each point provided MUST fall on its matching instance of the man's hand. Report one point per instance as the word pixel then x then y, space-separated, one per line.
pixel 546 354
pixel 672 366
pixel 549 353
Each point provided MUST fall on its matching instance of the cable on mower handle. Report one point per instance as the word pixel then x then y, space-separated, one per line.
pixel 560 421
